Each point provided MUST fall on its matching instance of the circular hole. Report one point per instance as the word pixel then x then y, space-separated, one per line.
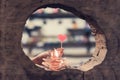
pixel 41 36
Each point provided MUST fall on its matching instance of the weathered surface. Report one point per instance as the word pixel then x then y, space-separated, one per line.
pixel 14 65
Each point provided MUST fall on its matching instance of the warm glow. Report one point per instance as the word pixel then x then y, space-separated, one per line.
pixel 56 53
pixel 54 62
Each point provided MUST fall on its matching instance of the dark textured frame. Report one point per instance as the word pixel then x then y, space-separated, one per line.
pixel 14 65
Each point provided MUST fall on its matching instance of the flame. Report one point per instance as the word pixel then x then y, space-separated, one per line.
pixel 56 53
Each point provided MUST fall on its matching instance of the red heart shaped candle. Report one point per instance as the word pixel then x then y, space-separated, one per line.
pixel 62 37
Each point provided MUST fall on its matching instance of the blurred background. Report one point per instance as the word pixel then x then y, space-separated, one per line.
pixel 43 27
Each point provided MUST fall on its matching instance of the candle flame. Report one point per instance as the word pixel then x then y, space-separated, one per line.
pixel 56 53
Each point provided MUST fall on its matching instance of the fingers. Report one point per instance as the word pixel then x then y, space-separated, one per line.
pixel 39 59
